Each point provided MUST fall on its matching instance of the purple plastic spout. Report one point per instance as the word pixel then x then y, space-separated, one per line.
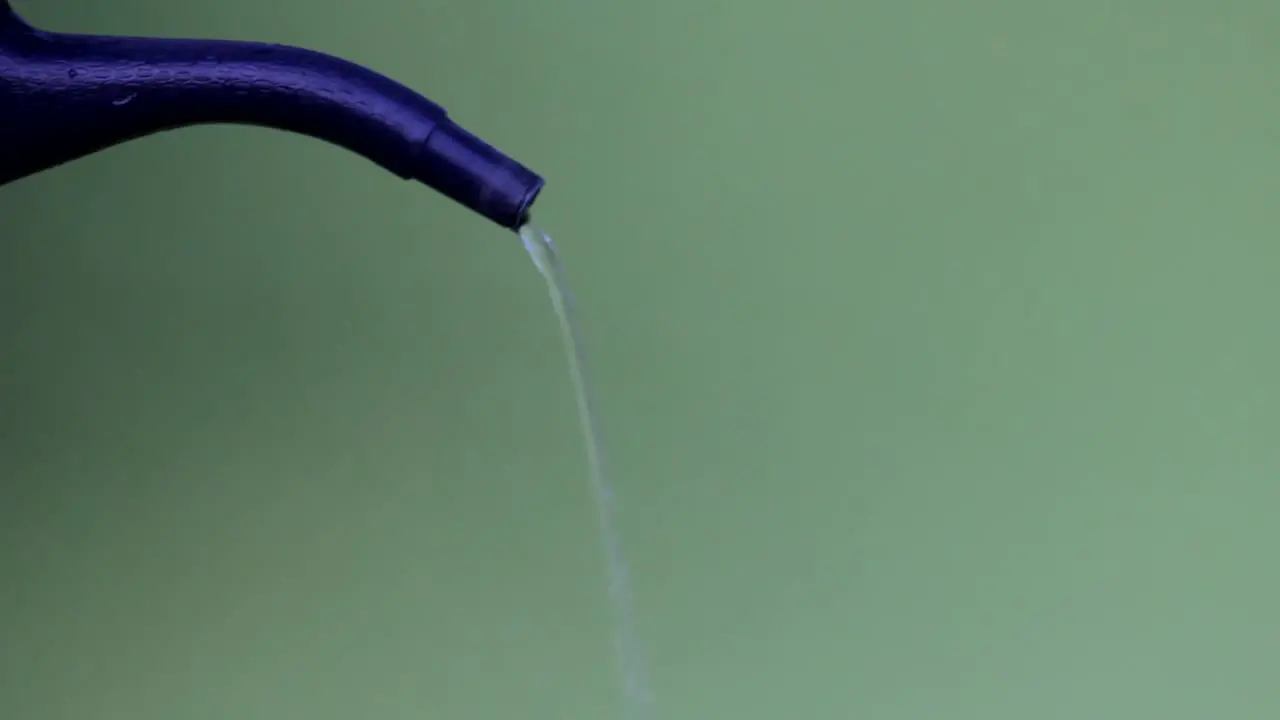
pixel 63 97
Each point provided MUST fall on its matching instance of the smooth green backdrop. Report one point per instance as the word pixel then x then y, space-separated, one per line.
pixel 936 344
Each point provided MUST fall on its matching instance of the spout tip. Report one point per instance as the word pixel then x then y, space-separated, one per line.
pixel 477 175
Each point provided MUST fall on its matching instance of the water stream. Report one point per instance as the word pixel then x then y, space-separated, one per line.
pixel 637 700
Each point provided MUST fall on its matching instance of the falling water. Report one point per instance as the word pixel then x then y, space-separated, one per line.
pixel 630 654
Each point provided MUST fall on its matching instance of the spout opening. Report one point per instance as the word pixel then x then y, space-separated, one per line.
pixel 525 214
pixel 477 175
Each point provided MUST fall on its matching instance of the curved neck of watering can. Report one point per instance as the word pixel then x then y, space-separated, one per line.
pixel 65 96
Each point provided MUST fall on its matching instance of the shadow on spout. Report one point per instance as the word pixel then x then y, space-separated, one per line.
pixel 63 97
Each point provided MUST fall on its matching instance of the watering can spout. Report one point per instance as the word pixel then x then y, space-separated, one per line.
pixel 65 96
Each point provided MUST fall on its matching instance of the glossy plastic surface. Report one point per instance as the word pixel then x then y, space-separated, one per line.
pixel 66 96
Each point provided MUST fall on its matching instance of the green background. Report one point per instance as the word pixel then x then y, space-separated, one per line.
pixel 936 344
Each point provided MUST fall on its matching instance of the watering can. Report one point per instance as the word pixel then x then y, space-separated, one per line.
pixel 65 96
